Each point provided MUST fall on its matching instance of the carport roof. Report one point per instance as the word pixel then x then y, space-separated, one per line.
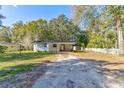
pixel 57 42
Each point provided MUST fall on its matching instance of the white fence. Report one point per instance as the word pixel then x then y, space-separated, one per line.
pixel 104 50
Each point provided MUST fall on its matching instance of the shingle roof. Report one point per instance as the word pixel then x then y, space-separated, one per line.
pixel 62 42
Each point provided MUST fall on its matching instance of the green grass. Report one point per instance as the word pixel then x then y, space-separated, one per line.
pixel 5 57
pixel 12 63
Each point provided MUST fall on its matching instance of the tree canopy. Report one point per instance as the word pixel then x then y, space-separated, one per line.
pixel 62 29
pixel 103 23
pixel 91 26
pixel 57 29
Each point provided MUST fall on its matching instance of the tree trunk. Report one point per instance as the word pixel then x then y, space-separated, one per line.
pixel 120 36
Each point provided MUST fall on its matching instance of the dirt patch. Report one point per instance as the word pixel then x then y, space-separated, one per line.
pixel 100 57
pixel 72 71
pixel 75 72
pixel 110 61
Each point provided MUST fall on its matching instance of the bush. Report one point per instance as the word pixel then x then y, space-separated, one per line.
pixel 3 49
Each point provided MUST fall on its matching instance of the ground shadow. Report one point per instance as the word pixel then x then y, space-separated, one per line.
pixel 97 75
pixel 93 69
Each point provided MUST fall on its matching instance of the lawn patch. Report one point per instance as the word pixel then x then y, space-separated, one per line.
pixel 12 63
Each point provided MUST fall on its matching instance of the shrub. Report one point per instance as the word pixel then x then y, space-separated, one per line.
pixel 3 49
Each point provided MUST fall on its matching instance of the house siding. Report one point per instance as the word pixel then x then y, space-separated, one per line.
pixel 40 47
pixel 54 49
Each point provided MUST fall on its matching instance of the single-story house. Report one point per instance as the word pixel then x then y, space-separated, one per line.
pixel 54 46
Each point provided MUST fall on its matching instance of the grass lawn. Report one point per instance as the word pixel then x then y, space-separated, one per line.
pixel 12 63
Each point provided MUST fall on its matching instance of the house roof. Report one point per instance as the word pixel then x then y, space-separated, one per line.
pixel 57 42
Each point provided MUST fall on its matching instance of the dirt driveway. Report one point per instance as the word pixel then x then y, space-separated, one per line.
pixel 72 72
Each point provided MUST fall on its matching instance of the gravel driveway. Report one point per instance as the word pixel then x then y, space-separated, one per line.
pixel 72 72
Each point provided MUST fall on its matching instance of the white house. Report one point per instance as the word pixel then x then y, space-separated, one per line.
pixel 54 47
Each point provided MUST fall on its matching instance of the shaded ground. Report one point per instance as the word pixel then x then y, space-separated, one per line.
pixel 70 70
pixel 73 72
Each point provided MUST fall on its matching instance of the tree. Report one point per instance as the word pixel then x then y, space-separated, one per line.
pixel 5 34
pixel 99 21
pixel 18 31
pixel 29 32
pixel 116 13
pixel 83 39
pixel 62 29
pixel 38 29
pixel 87 18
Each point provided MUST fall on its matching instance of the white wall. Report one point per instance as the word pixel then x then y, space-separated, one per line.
pixel 104 50
pixel 40 47
pixel 54 49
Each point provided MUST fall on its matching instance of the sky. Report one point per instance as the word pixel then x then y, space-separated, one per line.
pixel 33 12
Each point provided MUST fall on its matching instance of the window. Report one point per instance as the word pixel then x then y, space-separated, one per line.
pixel 45 45
pixel 54 45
